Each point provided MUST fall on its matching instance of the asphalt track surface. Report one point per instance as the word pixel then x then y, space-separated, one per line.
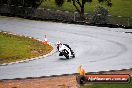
pixel 96 48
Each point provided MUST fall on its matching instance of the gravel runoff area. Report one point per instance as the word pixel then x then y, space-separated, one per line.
pixel 67 81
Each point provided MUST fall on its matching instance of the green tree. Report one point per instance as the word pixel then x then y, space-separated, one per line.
pixel 80 4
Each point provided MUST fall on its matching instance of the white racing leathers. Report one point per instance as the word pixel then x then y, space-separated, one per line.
pixel 66 47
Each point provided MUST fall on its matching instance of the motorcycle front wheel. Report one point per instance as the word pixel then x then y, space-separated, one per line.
pixel 65 52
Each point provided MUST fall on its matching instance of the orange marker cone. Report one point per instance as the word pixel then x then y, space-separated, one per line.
pixel 45 40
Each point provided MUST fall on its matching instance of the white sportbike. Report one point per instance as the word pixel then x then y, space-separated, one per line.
pixel 66 51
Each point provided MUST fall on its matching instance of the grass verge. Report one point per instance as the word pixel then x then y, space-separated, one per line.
pixel 14 48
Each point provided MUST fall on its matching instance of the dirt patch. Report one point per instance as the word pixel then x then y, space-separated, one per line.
pixel 68 81
pixel 49 82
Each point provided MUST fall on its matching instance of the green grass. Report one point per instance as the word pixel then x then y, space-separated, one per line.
pixel 13 48
pixel 125 85
pixel 120 7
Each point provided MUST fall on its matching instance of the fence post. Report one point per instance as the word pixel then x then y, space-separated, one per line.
pixel 128 23
pixel 75 15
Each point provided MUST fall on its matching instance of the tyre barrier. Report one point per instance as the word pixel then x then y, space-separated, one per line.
pixel 81 79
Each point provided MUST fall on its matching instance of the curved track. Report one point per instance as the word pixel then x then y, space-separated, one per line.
pixel 96 49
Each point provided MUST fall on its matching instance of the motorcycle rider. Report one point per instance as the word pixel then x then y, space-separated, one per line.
pixel 61 47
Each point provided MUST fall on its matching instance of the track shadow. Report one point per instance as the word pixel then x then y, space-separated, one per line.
pixel 63 58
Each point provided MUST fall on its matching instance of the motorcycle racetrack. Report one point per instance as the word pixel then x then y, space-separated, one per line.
pixel 96 48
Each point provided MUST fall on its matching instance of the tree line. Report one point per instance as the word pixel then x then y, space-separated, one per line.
pixel 24 3
pixel 78 4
